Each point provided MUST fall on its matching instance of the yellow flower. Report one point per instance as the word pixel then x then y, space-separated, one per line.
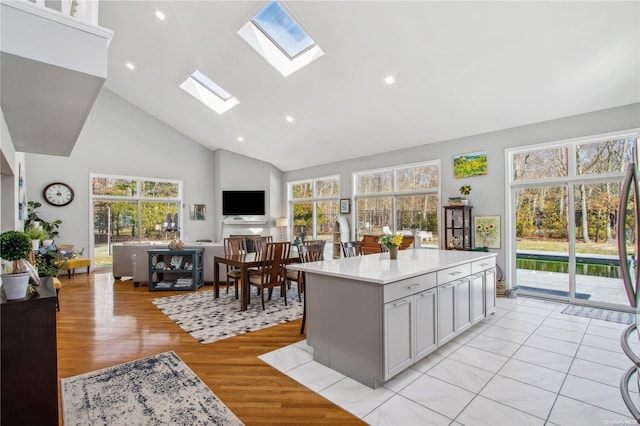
pixel 390 240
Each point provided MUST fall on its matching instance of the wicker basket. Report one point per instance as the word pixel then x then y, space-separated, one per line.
pixel 501 289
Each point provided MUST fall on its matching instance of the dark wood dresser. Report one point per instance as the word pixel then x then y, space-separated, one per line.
pixel 29 361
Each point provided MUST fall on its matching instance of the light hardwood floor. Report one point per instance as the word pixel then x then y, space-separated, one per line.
pixel 103 322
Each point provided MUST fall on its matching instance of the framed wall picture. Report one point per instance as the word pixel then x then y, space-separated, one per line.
pixel 486 231
pixel 197 212
pixel 471 164
pixel 345 206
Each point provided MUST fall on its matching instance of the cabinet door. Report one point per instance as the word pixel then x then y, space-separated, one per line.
pixel 398 330
pixel 477 297
pixel 489 291
pixel 425 304
pixel 462 305
pixel 446 313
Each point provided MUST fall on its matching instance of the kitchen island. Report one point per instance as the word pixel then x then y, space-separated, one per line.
pixel 370 317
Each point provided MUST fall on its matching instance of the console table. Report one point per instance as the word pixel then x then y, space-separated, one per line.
pixel 29 359
pixel 176 276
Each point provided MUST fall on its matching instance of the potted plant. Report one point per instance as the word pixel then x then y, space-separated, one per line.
pixel 35 234
pixel 33 219
pixel 15 246
pixel 464 191
pixel 391 242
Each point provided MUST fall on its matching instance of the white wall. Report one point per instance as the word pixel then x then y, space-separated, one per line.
pixel 488 191
pixel 237 172
pixel 120 139
pixel 10 161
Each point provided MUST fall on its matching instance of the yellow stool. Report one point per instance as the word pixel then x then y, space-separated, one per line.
pixel 71 264
pixel 58 285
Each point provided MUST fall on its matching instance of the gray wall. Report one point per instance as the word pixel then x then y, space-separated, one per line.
pixel 488 191
pixel 120 139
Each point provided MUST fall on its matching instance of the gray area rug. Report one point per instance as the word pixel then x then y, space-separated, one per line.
pixel 158 390
pixel 208 320
pixel 601 314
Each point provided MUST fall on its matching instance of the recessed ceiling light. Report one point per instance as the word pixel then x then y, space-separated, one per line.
pixel 130 66
pixel 160 15
pixel 289 118
pixel 389 79
pixel 240 139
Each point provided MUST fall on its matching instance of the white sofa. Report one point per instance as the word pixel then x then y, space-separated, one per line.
pixel 132 260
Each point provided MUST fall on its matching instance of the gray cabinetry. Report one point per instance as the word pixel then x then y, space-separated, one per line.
pixel 398 328
pixel 490 291
pixel 462 304
pixel 426 309
pixel 446 313
pixel 409 324
pixel 477 297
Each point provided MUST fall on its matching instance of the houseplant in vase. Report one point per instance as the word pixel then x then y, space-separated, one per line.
pixel 36 234
pixel 15 247
pixel 464 191
pixel 391 243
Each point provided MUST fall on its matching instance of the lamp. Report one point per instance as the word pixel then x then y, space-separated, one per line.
pixel 282 223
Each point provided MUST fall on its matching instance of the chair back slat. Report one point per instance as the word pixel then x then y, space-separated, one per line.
pixel 234 246
pixel 273 264
pixel 310 253
pixel 352 248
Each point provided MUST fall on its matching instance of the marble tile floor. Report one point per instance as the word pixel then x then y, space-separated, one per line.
pixel 528 364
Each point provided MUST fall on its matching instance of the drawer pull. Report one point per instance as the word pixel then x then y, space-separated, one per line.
pixel 427 293
pixel 483 264
pixel 455 273
pixel 404 302
pixel 411 287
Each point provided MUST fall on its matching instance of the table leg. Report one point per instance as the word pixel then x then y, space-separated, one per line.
pixel 216 279
pixel 244 288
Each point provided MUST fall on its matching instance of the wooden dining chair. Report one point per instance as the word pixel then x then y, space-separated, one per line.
pixel 314 242
pixel 306 253
pixel 234 246
pixel 272 272
pixel 352 248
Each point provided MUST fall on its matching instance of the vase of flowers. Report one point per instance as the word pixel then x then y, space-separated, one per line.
pixel 464 191
pixel 391 243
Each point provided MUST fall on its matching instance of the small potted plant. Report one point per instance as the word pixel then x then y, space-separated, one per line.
pixel 391 242
pixel 36 234
pixel 15 246
pixel 464 191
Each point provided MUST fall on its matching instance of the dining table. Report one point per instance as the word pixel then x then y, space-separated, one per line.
pixel 244 262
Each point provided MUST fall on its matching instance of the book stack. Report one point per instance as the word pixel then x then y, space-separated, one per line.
pixel 455 201
pixel 164 284
pixel 183 282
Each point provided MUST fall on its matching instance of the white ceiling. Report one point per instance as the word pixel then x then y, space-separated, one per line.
pixel 461 68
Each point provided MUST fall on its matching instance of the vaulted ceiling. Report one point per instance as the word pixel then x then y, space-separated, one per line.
pixel 461 68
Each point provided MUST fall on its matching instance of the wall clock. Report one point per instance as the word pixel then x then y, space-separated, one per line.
pixel 58 194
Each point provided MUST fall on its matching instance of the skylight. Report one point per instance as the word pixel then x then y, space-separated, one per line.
pixel 209 93
pixel 279 39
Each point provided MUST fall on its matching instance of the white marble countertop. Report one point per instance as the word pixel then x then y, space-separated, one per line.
pixel 378 268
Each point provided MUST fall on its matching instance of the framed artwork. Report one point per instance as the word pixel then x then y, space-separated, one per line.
pixel 345 205
pixel 197 212
pixel 486 231
pixel 471 164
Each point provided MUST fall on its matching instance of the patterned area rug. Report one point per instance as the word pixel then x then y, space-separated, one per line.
pixel 158 390
pixel 601 314
pixel 207 319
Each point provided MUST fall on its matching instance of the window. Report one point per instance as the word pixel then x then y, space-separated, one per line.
pixel 315 208
pixel 403 199
pixel 209 93
pixel 280 40
pixel 129 209
pixel 563 218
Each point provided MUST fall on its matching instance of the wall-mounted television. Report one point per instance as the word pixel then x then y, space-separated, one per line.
pixel 243 203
